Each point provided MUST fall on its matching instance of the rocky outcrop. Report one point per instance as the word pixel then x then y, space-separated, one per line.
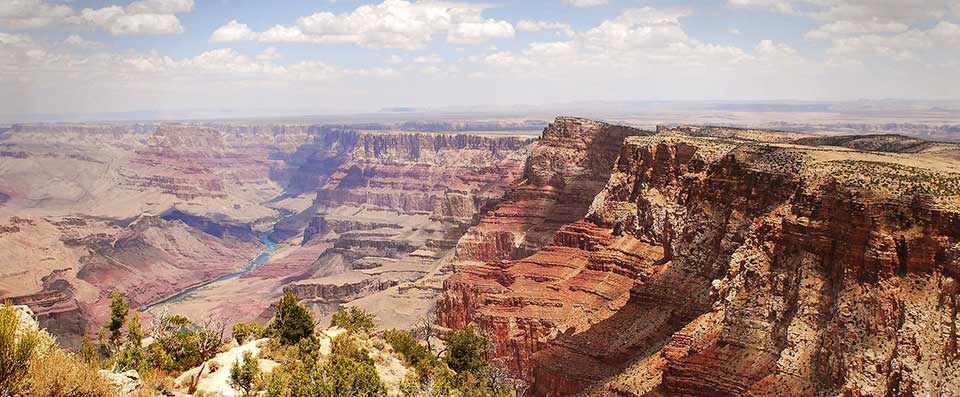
pixel 566 168
pixel 213 376
pixel 730 267
pixel 56 308
pixel 319 225
pixel 441 175
pixel 127 383
pixel 341 288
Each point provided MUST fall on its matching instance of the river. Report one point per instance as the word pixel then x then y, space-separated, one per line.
pixel 268 248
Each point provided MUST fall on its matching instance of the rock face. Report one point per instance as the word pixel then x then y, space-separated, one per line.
pixel 390 205
pixel 728 267
pixel 192 162
pixel 565 170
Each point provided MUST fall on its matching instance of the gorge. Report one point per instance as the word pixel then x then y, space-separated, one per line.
pixel 597 258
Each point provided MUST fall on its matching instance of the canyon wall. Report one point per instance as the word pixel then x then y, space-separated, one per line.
pixel 564 171
pixel 726 266
pixel 390 206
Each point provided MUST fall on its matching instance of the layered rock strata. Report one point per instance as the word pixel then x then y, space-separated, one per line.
pixel 730 267
pixel 566 168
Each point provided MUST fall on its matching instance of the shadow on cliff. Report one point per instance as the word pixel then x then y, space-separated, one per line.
pixel 656 310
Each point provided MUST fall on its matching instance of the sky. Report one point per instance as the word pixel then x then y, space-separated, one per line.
pixel 324 56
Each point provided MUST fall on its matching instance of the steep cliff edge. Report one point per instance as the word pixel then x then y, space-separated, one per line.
pixel 712 266
pixel 564 171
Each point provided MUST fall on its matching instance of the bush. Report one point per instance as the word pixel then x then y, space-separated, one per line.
pixel 466 351
pixel 243 376
pixel 337 376
pixel 293 321
pixel 88 351
pixel 16 348
pixel 180 344
pixel 345 376
pixel 245 332
pixel 346 346
pixel 58 373
pixel 131 354
pixel 32 365
pixel 416 355
pixel 118 316
pixel 353 319
pixel 157 357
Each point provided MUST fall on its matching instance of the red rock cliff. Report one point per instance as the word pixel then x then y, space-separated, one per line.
pixel 564 171
pixel 726 267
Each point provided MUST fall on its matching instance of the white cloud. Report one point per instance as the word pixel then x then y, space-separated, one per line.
pixel 877 11
pixel 891 29
pixel 586 3
pixel 902 46
pixel 479 32
pixel 641 29
pixel 845 28
pixel 269 54
pixel 640 36
pixel 43 63
pixel 536 26
pixel 232 31
pixel 29 14
pixel 905 11
pixel 160 6
pixel 393 59
pixel 139 17
pixel 432 58
pixel 784 6
pixel 77 41
pixel 390 24
pixel 735 32
pixel 14 39
pixel 775 53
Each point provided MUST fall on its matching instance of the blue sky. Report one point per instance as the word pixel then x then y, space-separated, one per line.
pixel 90 56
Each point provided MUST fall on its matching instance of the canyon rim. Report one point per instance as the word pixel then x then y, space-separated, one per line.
pixel 461 198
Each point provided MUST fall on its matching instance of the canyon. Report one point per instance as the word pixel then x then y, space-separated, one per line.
pixel 598 259
pixel 719 261
pixel 183 217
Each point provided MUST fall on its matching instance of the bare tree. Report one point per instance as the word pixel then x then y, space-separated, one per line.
pixel 425 329
pixel 209 340
pixel 499 377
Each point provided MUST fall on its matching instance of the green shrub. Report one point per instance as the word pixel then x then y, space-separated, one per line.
pixel 32 365
pixel 244 376
pixel 88 351
pixel 293 321
pixel 345 376
pixel 466 351
pixel 131 354
pixel 335 376
pixel 354 319
pixel 16 348
pixel 345 345
pixel 245 332
pixel 416 355
pixel 118 316
pixel 180 344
